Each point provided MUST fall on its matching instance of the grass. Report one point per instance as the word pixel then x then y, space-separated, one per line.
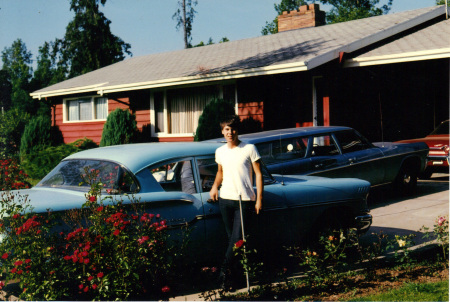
pixel 437 291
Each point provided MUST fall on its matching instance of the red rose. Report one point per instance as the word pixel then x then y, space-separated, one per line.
pixel 5 256
pixel 27 261
pixel 116 233
pixel 94 286
pixel 80 286
pixel 92 198
pixel 86 289
pixel 100 275
pixel 99 209
pixel 165 289
pixel 17 263
pixel 86 261
pixel 90 278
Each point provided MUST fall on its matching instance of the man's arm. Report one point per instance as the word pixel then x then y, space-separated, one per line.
pixel 259 185
pixel 214 193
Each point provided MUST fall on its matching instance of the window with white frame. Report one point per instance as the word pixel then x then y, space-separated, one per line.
pixel 86 109
pixel 176 112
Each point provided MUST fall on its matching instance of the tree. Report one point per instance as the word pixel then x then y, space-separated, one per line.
pixel 18 71
pixel 285 5
pixel 442 2
pixel 12 124
pixel 47 71
pixel 209 120
pixel 185 17
pixel 5 90
pixel 88 43
pixel 120 128
pixel 346 10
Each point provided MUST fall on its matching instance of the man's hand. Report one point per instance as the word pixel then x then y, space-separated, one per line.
pixel 258 206
pixel 214 194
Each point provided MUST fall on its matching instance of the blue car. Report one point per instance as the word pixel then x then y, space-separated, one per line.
pixel 174 180
pixel 338 152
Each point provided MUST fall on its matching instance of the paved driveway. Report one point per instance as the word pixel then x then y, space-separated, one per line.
pixel 402 216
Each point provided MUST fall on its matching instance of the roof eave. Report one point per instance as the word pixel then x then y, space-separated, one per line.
pixel 221 76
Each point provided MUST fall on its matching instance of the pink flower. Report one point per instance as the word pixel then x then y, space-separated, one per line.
pixel 2 284
pixel 143 239
pixel 441 221
pixel 165 289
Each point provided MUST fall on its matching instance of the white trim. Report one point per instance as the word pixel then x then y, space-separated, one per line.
pixel 92 97
pixel 82 89
pixel 399 58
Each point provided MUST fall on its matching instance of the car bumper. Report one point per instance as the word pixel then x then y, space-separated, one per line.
pixel 363 223
pixel 437 161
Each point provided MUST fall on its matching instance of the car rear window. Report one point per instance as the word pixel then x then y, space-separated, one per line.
pixel 78 173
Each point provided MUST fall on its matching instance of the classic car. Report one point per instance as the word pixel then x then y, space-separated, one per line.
pixel 438 142
pixel 337 152
pixel 174 179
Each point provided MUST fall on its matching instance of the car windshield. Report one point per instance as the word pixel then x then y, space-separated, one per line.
pixel 441 129
pixel 76 174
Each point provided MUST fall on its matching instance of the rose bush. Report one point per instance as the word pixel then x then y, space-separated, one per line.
pixel 107 250
pixel 12 176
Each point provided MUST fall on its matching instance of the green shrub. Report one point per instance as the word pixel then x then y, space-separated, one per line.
pixel 120 128
pixel 208 122
pixel 12 124
pixel 41 162
pixel 36 135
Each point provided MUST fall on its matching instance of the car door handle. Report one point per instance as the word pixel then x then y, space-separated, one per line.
pixel 352 160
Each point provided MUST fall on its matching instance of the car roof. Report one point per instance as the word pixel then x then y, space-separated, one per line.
pixel 138 156
pixel 265 136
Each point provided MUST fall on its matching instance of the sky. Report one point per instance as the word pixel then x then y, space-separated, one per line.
pixel 147 25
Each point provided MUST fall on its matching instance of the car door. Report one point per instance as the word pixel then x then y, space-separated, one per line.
pixel 364 161
pixel 176 197
pixel 326 158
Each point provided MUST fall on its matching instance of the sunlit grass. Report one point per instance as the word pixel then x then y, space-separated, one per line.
pixel 437 291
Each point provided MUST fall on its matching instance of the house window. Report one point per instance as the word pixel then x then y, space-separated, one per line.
pixel 86 109
pixel 176 112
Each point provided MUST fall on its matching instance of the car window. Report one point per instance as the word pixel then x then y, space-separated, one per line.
pixel 175 176
pixel 350 141
pixel 208 169
pixel 283 150
pixel 324 145
pixel 77 173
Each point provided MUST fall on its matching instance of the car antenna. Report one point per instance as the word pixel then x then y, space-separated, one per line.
pixel 282 169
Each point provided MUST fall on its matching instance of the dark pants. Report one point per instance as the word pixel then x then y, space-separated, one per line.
pixel 232 219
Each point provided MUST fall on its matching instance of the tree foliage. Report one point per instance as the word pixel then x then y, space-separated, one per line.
pixel 185 17
pixel 17 72
pixel 442 2
pixel 120 128
pixel 209 120
pixel 88 43
pixel 346 10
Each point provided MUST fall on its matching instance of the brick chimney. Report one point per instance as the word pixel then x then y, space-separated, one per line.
pixel 306 16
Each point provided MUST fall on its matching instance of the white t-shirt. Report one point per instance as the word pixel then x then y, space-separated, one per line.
pixel 237 171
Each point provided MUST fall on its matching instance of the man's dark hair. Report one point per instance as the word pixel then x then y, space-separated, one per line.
pixel 233 121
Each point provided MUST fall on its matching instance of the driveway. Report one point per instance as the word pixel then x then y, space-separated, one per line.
pixel 403 216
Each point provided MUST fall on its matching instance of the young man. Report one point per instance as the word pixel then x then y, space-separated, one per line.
pixel 236 161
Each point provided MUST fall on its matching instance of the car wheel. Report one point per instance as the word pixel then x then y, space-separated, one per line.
pixel 406 181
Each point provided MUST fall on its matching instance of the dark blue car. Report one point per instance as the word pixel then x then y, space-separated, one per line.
pixel 339 152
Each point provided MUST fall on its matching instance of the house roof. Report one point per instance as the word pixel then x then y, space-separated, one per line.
pixel 290 51
pixel 432 42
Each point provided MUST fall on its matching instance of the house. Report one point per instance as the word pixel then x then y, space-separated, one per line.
pixel 387 76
